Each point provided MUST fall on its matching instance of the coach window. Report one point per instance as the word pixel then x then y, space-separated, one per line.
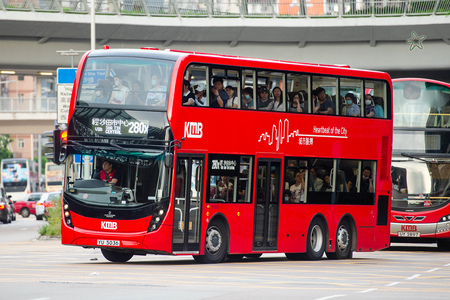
pixel 329 84
pixel 350 92
pixel 197 76
pixel 321 181
pixel 298 84
pixel 295 178
pixel 230 178
pixel 248 94
pixel 375 95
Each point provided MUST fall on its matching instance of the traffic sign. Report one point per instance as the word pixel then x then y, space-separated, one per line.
pixel 66 75
pixel 64 95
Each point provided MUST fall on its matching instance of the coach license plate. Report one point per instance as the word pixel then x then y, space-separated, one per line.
pixel 409 234
pixel 108 243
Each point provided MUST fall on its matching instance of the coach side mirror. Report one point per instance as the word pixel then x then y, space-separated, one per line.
pixel 168 160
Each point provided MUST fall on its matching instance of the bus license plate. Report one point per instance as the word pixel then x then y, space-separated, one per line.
pixel 108 243
pixel 409 234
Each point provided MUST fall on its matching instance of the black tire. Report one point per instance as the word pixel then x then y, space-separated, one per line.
pixel 8 219
pixel 215 244
pixel 25 212
pixel 14 217
pixel 316 240
pixel 343 240
pixel 116 256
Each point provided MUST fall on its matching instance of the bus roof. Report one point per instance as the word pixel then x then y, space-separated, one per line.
pixel 422 80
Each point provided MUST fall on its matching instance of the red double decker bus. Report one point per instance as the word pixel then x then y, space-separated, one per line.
pixel 264 157
pixel 421 162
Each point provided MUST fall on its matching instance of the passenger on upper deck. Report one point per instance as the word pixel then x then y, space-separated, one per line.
pixel 247 100
pixel 296 103
pixel 200 95
pixel 233 100
pixel 369 109
pixel 219 97
pixel 120 91
pixel 188 95
pixel 352 108
pixel 157 94
pixel 101 90
pixel 264 102
pixel 137 95
pixel 325 106
pixel 278 99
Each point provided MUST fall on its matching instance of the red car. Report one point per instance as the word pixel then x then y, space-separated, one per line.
pixel 28 205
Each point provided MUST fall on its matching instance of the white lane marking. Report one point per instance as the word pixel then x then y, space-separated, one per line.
pixel 432 270
pixel 331 297
pixel 447 265
pixel 412 277
pixel 41 299
pixel 366 291
pixel 392 283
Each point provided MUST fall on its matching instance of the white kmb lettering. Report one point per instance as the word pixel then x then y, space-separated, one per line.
pixel 193 129
pixel 109 225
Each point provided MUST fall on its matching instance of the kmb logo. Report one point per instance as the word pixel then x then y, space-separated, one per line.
pixel 109 225
pixel 409 228
pixel 193 129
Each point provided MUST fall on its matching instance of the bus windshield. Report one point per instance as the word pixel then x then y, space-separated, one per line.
pixel 418 185
pixel 117 178
pixel 421 104
pixel 131 81
pixel 15 176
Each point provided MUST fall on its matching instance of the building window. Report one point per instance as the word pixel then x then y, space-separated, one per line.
pixel 21 143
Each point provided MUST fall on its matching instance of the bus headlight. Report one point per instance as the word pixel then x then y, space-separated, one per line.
pixel 67 216
pixel 157 217
pixel 445 218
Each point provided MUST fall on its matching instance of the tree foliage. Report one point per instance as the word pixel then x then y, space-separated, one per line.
pixel 5 140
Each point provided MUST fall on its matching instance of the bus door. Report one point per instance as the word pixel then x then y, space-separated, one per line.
pixel 188 199
pixel 265 234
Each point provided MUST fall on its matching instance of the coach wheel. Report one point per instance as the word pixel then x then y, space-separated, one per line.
pixel 25 212
pixel 315 244
pixel 343 242
pixel 116 256
pixel 215 244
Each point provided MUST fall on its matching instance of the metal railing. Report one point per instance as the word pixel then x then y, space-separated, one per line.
pixel 236 8
pixel 29 105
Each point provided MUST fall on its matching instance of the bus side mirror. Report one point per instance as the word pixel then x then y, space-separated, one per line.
pixel 168 160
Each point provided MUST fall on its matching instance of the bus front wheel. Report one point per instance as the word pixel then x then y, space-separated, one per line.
pixel 116 256
pixel 343 242
pixel 215 244
pixel 315 244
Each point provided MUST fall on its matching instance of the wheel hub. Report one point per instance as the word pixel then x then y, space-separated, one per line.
pixel 342 238
pixel 213 240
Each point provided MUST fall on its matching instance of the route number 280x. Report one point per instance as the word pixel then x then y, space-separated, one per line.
pixel 138 127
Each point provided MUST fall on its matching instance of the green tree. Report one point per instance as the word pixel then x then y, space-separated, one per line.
pixel 5 140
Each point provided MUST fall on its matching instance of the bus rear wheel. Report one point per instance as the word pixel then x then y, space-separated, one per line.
pixel 343 242
pixel 316 241
pixel 25 212
pixel 116 256
pixel 215 244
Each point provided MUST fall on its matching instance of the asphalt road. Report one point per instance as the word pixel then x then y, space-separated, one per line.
pixel 39 269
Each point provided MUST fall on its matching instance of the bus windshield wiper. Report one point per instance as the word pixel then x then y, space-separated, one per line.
pixel 423 156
